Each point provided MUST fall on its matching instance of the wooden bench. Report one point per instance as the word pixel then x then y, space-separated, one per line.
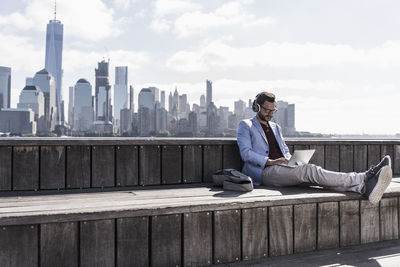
pixel 147 202
pixel 186 225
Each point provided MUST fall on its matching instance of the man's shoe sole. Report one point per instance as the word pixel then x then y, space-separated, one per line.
pixel 385 177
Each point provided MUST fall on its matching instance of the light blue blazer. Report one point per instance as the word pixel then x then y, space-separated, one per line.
pixel 254 148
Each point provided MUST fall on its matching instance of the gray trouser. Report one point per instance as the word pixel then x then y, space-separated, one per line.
pixel 310 174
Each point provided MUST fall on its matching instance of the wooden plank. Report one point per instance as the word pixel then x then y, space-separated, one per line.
pixel 197 234
pixel 52 167
pixel 97 243
pixel 166 240
pixel 328 225
pixel 192 164
pixel 305 227
pixel 360 158
pixel 26 168
pixel 346 158
pixel 149 165
pixel 332 157
pixel 389 218
pixel 231 157
pixel 319 155
pixel 280 230
pixel 171 165
pixel 227 236
pixel 291 149
pixel 369 222
pixel 59 244
pixel 133 241
pixel 349 223
pixel 127 165
pixel 374 155
pixel 19 246
pixel 212 161
pixel 388 150
pixel 103 164
pixel 78 166
pixel 5 168
pixel 396 160
pixel 254 233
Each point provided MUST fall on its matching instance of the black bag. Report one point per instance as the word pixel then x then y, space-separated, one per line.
pixel 233 180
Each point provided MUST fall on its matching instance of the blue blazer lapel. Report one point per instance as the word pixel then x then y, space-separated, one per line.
pixel 259 128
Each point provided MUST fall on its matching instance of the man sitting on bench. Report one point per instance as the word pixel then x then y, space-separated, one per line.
pixel 266 155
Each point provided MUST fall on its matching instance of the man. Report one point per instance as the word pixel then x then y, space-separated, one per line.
pixel 266 155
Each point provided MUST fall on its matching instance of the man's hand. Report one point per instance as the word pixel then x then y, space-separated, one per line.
pixel 271 162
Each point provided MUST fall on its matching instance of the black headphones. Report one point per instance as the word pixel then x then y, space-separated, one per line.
pixel 256 107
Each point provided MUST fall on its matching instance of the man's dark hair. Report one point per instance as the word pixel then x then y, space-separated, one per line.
pixel 265 96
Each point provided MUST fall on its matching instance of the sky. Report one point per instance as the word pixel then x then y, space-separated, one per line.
pixel 337 61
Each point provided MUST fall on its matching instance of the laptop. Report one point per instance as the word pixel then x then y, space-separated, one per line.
pixel 301 157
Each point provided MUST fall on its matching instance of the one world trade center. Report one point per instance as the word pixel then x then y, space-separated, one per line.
pixel 53 64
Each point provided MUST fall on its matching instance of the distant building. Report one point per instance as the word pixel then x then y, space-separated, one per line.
pixel 53 62
pixel 223 113
pixel 240 109
pixel 5 87
pixel 83 111
pixel 126 121
pixel 71 106
pixel 285 117
pixel 120 94
pixel 146 99
pixel 102 93
pixel 162 99
pixel 131 99
pixel 17 121
pixel 208 93
pixel 45 81
pixel 213 126
pixel 145 121
pixel 202 101
pixel 32 97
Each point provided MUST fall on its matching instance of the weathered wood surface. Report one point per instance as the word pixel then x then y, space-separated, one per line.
pixel 103 166
pixel 97 243
pixel 280 230
pixel 360 158
pixel 132 242
pixel 328 225
pixel 396 161
pixel 388 150
pixel 127 165
pixel 198 239
pixel 19 246
pixel 346 158
pixel 389 218
pixel 52 167
pixel 78 166
pixel 369 222
pixel 166 240
pixel 332 157
pixel 212 161
pixel 305 227
pixel 349 223
pixel 255 233
pixel 5 168
pixel 192 164
pixel 171 165
pixel 319 155
pixel 227 236
pixel 59 244
pixel 374 154
pixel 157 201
pixel 26 168
pixel 150 165
pixel 231 157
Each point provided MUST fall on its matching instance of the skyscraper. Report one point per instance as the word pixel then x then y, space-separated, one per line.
pixel 83 111
pixel 32 97
pixel 5 87
pixel 163 99
pixel 71 106
pixel 47 84
pixel 54 47
pixel 120 90
pixel 131 98
pixel 102 92
pixel 208 93
pixel 120 94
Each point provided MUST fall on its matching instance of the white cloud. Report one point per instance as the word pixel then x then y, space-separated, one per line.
pixel 191 20
pixel 218 54
pixel 167 7
pixel 89 19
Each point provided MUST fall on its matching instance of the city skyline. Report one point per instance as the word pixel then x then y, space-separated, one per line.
pixel 348 67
